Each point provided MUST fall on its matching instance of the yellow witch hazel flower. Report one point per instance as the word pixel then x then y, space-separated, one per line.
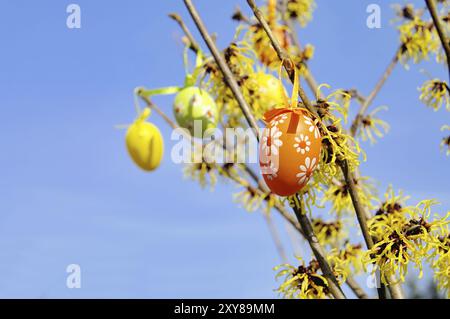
pixel 372 126
pixel 390 213
pixel 346 262
pixel 302 282
pixel 335 104
pixel 405 243
pixel 260 40
pixel 249 198
pixel 441 264
pixel 204 171
pixel 435 93
pixel 338 195
pixel 419 39
pixel 240 58
pixel 337 145
pixel 252 199
pixel 301 10
pixel 263 47
pixel 328 233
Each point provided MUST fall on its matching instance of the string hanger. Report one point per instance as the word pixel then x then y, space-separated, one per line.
pixel 294 96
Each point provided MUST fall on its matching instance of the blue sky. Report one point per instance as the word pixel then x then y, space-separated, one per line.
pixel 69 193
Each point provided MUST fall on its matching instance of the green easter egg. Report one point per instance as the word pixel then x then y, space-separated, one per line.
pixel 193 104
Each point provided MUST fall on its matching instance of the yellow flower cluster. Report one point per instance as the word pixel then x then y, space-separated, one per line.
pixel 262 45
pixel 404 236
pixel 301 10
pixel 328 233
pixel 302 282
pixel 391 212
pixel 372 126
pixel 419 39
pixel 441 264
pixel 338 195
pixel 206 174
pixel 346 262
pixel 249 198
pixel 435 93
pixel 338 146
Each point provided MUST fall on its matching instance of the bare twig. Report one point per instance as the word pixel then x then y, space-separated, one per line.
pixel 153 106
pixel 359 292
pixel 359 209
pixel 227 74
pixel 431 4
pixel 193 45
pixel 276 237
pixel 240 17
pixel 368 101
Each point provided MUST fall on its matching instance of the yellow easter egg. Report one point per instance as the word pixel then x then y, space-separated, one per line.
pixel 266 92
pixel 145 144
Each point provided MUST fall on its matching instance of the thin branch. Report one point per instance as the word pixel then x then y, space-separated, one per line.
pixel 240 17
pixel 319 253
pixel 356 288
pixel 193 45
pixel 368 101
pixel 227 74
pixel 431 4
pixel 153 106
pixel 359 209
pixel 276 237
pixel 395 290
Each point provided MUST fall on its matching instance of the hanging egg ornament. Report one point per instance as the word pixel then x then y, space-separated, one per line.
pixel 194 106
pixel 289 150
pixel 144 142
pixel 266 92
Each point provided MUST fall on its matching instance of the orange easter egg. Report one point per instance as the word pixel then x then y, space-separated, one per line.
pixel 289 150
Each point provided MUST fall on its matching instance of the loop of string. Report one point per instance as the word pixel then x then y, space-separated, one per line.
pixel 294 97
